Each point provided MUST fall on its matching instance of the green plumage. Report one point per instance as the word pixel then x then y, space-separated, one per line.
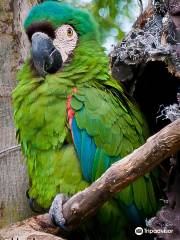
pixel 101 107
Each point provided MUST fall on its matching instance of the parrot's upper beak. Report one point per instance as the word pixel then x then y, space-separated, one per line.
pixel 46 58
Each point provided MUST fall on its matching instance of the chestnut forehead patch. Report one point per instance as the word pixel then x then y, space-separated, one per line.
pixel 44 27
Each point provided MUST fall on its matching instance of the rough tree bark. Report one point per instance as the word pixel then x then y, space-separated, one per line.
pixel 147 61
pixel 13 49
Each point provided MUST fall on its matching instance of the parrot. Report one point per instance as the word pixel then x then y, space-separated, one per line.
pixel 74 120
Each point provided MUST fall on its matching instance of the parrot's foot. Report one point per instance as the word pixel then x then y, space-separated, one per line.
pixel 56 211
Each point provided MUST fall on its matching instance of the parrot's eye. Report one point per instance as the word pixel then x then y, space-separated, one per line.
pixel 65 41
pixel 69 32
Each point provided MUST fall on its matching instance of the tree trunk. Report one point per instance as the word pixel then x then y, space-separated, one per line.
pixel 13 49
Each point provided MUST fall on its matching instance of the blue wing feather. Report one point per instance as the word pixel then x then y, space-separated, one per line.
pixel 94 160
pixel 86 149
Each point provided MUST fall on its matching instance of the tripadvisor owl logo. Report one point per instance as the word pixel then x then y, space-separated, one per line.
pixel 139 231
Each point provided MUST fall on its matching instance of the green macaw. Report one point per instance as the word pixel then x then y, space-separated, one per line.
pixel 74 120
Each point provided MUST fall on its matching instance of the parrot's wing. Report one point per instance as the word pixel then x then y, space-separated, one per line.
pixel 105 128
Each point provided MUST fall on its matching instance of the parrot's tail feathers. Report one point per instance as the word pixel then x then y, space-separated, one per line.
pixel 133 214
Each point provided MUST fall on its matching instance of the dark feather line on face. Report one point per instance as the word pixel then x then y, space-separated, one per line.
pixel 44 27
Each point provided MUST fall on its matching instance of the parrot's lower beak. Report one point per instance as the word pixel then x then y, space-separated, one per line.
pixel 46 58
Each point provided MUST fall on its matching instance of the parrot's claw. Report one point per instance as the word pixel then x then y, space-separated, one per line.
pixel 56 211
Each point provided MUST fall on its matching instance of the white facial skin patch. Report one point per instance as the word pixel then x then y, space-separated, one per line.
pixel 65 40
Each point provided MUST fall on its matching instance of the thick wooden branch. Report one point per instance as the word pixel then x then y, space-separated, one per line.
pixel 84 204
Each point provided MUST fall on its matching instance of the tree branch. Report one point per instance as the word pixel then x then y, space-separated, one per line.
pixel 84 204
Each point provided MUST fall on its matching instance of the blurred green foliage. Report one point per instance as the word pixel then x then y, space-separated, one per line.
pixel 113 16
pixel 110 14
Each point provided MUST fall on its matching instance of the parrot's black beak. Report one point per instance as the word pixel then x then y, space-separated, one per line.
pixel 46 58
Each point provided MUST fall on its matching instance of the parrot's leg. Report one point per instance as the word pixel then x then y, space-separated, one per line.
pixel 56 211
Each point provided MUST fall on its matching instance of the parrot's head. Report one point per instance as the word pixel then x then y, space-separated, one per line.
pixel 55 29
